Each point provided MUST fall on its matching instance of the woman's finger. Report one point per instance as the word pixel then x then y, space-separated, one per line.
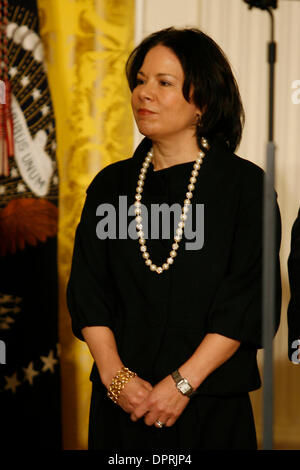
pixel 170 421
pixel 161 422
pixel 133 417
pixel 151 418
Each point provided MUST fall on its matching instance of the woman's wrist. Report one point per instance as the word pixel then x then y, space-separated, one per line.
pixel 213 351
pixel 193 377
pixel 108 374
pixel 118 383
pixel 102 344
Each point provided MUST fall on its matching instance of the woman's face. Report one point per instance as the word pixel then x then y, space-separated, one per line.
pixel 159 107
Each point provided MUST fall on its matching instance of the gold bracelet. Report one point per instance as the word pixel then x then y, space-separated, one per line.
pixel 118 383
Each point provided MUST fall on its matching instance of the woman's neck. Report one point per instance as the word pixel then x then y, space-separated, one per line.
pixel 166 154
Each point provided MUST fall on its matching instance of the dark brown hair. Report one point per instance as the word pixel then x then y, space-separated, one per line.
pixel 205 67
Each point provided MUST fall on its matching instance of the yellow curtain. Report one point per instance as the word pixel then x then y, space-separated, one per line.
pixel 86 44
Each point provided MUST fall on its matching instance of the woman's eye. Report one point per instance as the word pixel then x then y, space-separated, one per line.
pixel 164 83
pixel 139 81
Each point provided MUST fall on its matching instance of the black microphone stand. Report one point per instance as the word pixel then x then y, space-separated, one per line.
pixel 269 261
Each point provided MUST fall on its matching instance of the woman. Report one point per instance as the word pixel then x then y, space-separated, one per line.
pixel 184 319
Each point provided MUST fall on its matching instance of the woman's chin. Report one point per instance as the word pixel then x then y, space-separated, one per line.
pixel 146 130
pixel 148 133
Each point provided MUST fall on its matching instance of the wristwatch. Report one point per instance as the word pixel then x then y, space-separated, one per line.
pixel 182 384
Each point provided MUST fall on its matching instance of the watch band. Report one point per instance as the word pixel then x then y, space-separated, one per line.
pixel 176 376
pixel 177 379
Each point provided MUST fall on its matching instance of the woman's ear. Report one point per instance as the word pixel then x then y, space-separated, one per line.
pixel 199 114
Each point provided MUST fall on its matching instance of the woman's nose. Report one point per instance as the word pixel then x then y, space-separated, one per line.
pixel 146 91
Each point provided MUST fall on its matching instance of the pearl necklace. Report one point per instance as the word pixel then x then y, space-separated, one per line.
pixel 185 209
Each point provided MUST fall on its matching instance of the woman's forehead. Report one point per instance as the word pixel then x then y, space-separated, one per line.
pixel 163 60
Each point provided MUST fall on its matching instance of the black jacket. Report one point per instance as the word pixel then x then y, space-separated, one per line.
pixel 159 320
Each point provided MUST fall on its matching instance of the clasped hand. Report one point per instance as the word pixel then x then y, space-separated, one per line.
pixel 162 402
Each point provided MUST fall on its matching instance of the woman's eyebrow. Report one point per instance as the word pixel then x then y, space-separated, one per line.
pixel 159 74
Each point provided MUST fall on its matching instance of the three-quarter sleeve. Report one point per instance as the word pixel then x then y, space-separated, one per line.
pixel 237 308
pixel 89 290
pixel 294 304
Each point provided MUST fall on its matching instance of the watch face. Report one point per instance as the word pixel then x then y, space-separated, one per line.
pixel 184 386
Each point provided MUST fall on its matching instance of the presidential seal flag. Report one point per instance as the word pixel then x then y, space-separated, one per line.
pixel 29 374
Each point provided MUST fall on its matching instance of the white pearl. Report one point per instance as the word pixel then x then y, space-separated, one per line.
pixel 204 143
pixel 183 216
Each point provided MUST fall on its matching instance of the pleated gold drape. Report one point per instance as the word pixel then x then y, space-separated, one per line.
pixel 86 44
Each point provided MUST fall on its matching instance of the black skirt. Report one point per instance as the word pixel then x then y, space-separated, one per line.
pixel 207 423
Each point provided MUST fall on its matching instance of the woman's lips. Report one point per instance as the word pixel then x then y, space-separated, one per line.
pixel 145 112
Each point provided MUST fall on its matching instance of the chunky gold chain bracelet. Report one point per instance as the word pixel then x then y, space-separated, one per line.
pixel 118 383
